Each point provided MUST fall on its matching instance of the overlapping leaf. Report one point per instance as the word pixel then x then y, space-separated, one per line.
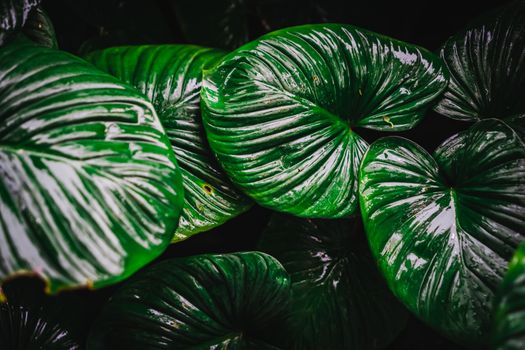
pixel 89 187
pixel 281 112
pixel 487 65
pixel 13 15
pixel 201 302
pixel 170 76
pixel 340 301
pixel 509 316
pixel 443 228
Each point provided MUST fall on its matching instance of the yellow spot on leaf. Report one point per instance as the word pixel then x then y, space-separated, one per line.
pixel 208 189
pixel 387 120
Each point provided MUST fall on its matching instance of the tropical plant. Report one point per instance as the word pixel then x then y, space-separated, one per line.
pixel 250 174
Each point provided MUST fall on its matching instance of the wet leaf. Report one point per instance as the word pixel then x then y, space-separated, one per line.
pixel 170 76
pixel 339 300
pixel 282 113
pixel 487 65
pixel 201 302
pixel 444 227
pixel 13 15
pixel 89 187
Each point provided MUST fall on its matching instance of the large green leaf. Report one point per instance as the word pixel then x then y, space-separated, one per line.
pixel 443 228
pixel 280 112
pixel 199 302
pixel 13 15
pixel 39 29
pixel 487 65
pixel 340 301
pixel 509 306
pixel 170 76
pixel 90 190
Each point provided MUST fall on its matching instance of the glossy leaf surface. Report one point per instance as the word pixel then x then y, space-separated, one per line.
pixel 89 187
pixel 280 112
pixel 509 316
pixel 13 15
pixel 487 65
pixel 170 76
pixel 30 319
pixel 22 328
pixel 39 29
pixel 340 300
pixel 199 302
pixel 444 227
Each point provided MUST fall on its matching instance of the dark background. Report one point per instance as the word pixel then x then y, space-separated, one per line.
pixel 89 24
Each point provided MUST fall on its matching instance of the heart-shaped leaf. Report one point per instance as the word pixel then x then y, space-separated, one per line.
pixel 13 15
pixel 39 29
pixel 487 65
pixel 170 76
pixel 339 299
pixel 443 228
pixel 509 306
pixel 90 189
pixel 280 112
pixel 200 302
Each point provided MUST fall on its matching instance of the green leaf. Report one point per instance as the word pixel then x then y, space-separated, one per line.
pixel 39 29
pixel 89 187
pixel 170 76
pixel 340 301
pixel 509 306
pixel 487 65
pixel 199 302
pixel 13 15
pixel 280 112
pixel 443 228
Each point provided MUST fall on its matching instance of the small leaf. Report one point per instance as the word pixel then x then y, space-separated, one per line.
pixel 90 190
pixel 443 228
pixel 487 65
pixel 199 302
pixel 281 112
pixel 170 76
pixel 339 299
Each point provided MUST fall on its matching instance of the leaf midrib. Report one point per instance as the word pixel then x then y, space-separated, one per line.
pixel 335 119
